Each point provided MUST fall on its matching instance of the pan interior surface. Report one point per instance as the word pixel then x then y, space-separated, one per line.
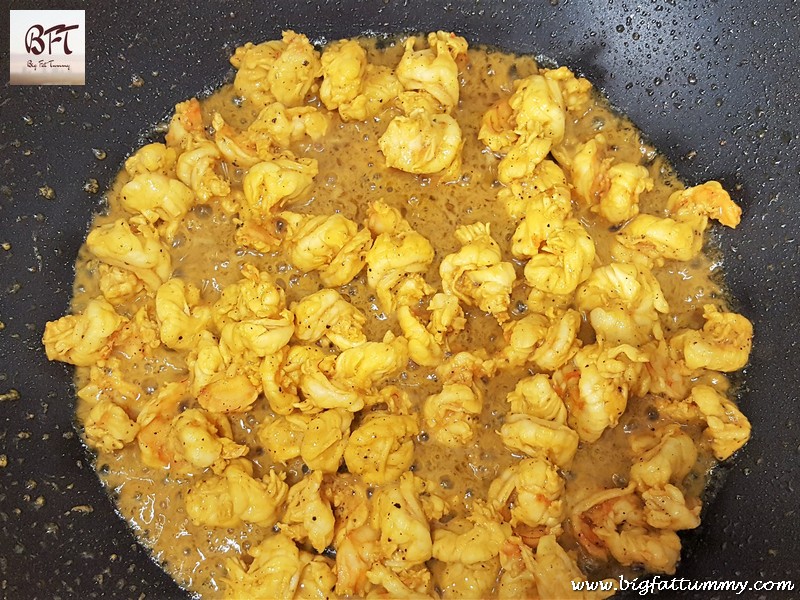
pixel 664 65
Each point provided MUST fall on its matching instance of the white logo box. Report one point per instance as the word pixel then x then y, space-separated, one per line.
pixel 47 47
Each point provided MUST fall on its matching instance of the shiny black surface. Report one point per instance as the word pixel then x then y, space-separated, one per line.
pixel 712 84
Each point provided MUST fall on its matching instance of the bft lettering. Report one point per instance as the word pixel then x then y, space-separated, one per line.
pixel 36 35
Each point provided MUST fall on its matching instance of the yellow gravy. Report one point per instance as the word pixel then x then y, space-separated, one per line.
pixel 352 173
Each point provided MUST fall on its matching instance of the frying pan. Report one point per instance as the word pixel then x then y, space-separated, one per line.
pixel 712 84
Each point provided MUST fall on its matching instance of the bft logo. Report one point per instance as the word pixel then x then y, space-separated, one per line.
pixel 47 47
pixel 35 38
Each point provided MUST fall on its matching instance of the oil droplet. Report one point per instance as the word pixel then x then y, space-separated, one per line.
pixel 47 192
pixel 91 186
pixel 620 28
pixel 692 79
pixel 9 396
pixel 136 80
pixel 28 120
pixel 99 154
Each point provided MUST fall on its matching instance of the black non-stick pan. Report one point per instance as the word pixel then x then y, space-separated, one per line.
pixel 711 83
